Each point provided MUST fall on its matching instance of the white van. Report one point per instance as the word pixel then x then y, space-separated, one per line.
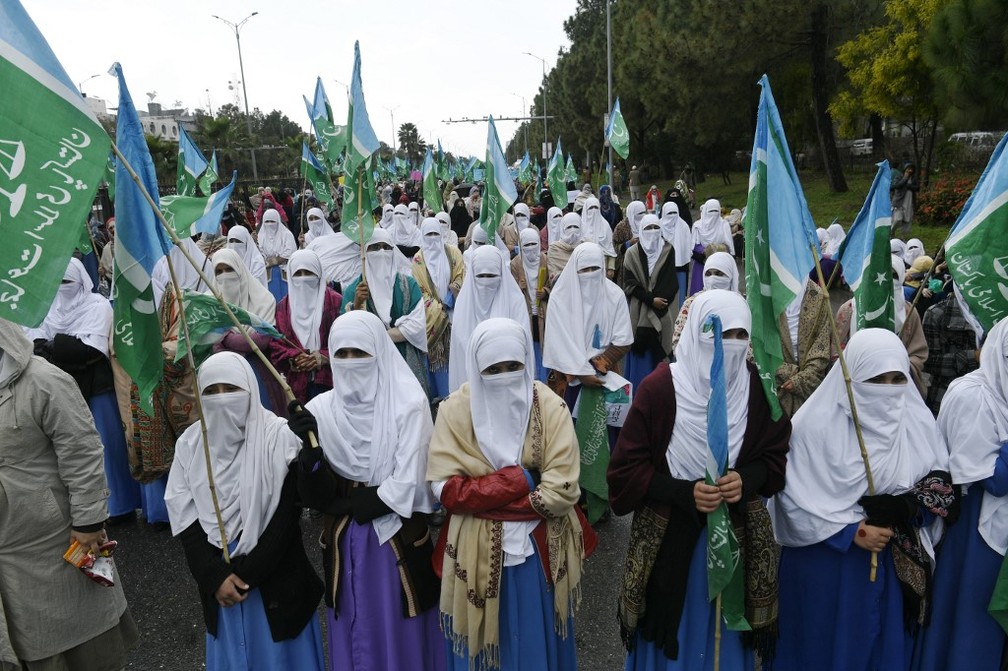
pixel 862 147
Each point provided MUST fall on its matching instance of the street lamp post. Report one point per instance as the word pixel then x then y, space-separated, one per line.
pixel 391 113
pixel 236 27
pixel 608 31
pixel 524 112
pixel 545 134
pixel 85 81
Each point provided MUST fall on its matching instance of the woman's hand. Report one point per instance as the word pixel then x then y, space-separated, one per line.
pixel 707 497
pixel 872 538
pixel 730 485
pixel 233 590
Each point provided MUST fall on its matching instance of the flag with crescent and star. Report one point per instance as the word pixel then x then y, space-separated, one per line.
pixel 616 133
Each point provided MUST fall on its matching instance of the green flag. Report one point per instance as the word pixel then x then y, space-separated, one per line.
pixel 84 243
pixel 866 257
pixel 189 215
pixel 313 173
pixel 998 607
pixel 778 235
pixel 977 248
pixel 109 176
pixel 52 155
pixel 555 179
pixel 525 170
pixel 359 198
pixel 206 181
pixel 208 322
pixel 571 173
pixel 191 164
pixel 616 133
pixel 592 435
pixel 500 192
pixel 431 192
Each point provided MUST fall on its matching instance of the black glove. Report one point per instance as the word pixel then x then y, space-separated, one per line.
pixel 309 457
pixel 366 505
pixel 300 421
pixel 536 477
pixel 885 510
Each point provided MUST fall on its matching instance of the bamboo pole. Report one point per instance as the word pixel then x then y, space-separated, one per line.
pixel 717 633
pixel 213 288
pixel 850 397
pixel 938 257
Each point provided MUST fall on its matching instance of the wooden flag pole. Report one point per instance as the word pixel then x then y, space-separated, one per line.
pixel 199 410
pixel 360 223
pixel 213 288
pixel 717 633
pixel 938 257
pixel 850 397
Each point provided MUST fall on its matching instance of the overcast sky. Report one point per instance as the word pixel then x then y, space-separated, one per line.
pixel 429 60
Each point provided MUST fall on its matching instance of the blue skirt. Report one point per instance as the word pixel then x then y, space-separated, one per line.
pixel 277 284
pixel 528 638
pixel 152 500
pixel 683 277
pixel 437 381
pixel 961 634
pixel 696 631
pixel 638 367
pixel 124 491
pixel 541 371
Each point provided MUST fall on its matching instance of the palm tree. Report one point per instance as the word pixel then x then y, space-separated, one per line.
pixel 410 144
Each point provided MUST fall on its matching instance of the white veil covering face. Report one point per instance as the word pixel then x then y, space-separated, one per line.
pixel 677 233
pixel 383 269
pixel 435 257
pixel 553 218
pixel 240 241
pixel 250 451
pixel 826 475
pixel 318 227
pixel 974 421
pixel 77 311
pixel 375 423
pixel 275 239
pixel 594 227
pixel 306 298
pixel 635 211
pixel 480 299
pixel 243 291
pixel 694 353
pixel 724 262
pixel 404 232
pixel 580 304
pixel 712 228
pixel 501 405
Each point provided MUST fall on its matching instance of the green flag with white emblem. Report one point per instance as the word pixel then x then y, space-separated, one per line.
pixel 616 133
pixel 555 179
pixel 500 192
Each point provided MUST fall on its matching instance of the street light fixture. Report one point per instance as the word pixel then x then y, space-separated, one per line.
pixel 392 118
pixel 81 83
pixel 236 27
pixel 545 134
pixel 525 112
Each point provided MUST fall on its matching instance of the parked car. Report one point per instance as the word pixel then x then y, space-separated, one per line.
pixel 862 147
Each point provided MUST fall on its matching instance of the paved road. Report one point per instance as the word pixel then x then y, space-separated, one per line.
pixel 163 599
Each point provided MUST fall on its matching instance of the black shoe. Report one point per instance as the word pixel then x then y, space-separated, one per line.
pixel 119 520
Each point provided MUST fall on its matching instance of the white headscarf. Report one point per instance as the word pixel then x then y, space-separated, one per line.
pixel 317 228
pixel 435 257
pixel 239 289
pixel 306 296
pixel 974 422
pixel 553 230
pixel 897 248
pixel 635 211
pixel 826 475
pixel 521 216
pixel 381 274
pixel 482 298
pixel 694 353
pixel 651 241
pixel 724 262
pixel 712 228
pixel 531 258
pixel 386 216
pixel 241 242
pixel 413 210
pixel 404 233
pixel 580 305
pixel 375 424
pixel 914 248
pixel 594 227
pixel 275 239
pixel 340 257
pixel 77 311
pixel 571 229
pixel 449 236
pixel 250 452
pixel 836 236
pixel 823 238
pixel 187 276
pixel 677 233
pixel 501 406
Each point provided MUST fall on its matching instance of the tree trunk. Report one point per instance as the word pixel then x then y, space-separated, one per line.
pixel 877 136
pixel 820 101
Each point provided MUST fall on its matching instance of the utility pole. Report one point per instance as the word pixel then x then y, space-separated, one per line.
pixel 545 149
pixel 608 32
pixel 524 112
pixel 236 27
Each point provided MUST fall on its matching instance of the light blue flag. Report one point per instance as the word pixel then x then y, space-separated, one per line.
pixel 866 256
pixel 189 215
pixel 363 141
pixel 321 109
pixel 500 193
pixel 140 244
pixel 191 164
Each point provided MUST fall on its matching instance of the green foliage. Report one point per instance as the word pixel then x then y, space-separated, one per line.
pixel 967 49
pixel 411 146
pixel 943 200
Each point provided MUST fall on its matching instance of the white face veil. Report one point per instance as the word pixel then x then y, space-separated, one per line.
pixel 676 232
pixel 306 296
pixel 434 255
pixel 386 216
pixel 570 229
pixel 635 212
pixel 724 263
pixel 239 288
pixel 521 216
pixel 317 224
pixel 404 232
pixel 241 242
pixel 553 226
pixel 594 227
pixel 651 240
pixel 381 273
pixel 77 311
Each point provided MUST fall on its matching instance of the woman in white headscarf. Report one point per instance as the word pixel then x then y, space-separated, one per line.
pixel 75 337
pixel 369 481
pixel 835 237
pixel 504 463
pixel 720 271
pixel 898 249
pixel 833 614
pixel 907 325
pixel 386 221
pixel 240 241
pixel 304 318
pixel 449 236
pixel 405 235
pixel 438 269
pixel 974 422
pixel 252 455
pixel 626 233
pixel 317 226
pixel 651 284
pixel 561 248
pixel 414 214
pixel 711 232
pixel 594 228
pixel 395 297
pixel 276 243
pixel 187 276
pixel 914 248
pixel 659 471
pixel 553 228
pixel 823 237
pixel 677 233
pixel 232 279
pixel 489 290
pixel 529 271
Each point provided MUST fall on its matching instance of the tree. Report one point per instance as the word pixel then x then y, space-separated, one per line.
pixel 967 50
pixel 410 145
pixel 888 76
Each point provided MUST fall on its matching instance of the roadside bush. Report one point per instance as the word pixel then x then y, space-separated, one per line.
pixel 944 198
